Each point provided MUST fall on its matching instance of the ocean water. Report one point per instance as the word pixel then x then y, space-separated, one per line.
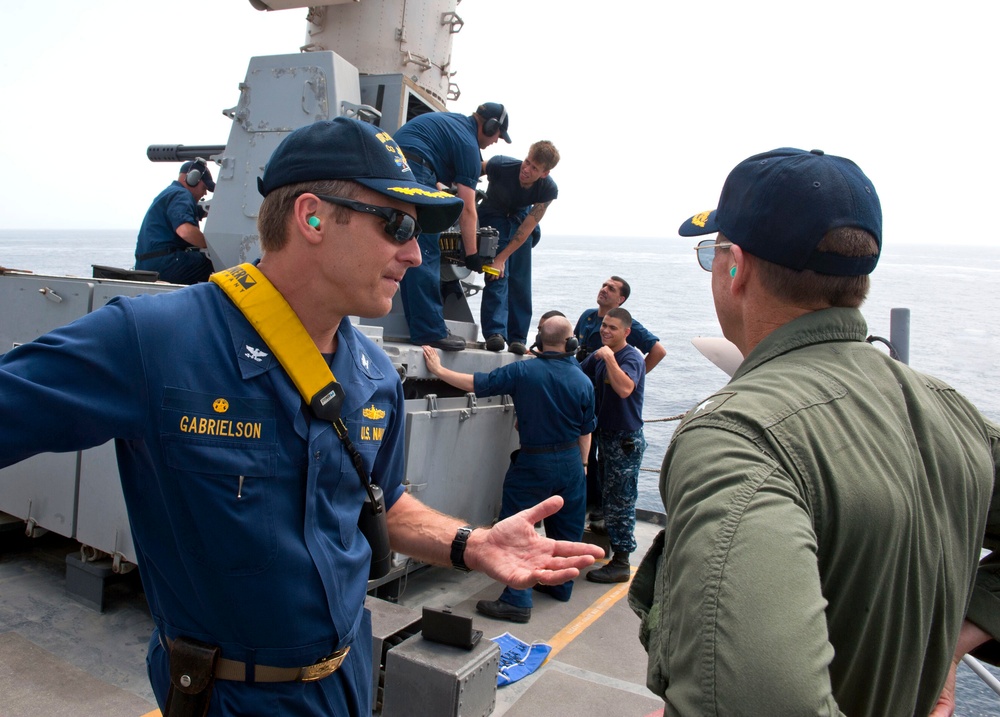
pixel 952 294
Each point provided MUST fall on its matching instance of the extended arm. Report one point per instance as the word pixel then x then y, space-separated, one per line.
pixel 521 234
pixel 511 551
pixel 469 219
pixel 462 381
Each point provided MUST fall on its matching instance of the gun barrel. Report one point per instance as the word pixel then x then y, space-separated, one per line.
pixel 182 152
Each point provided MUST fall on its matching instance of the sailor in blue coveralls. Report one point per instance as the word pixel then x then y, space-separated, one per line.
pixel 554 403
pixel 170 236
pixel 619 376
pixel 244 506
pixel 517 197
pixel 444 148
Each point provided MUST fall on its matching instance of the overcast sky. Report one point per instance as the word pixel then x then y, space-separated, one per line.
pixel 650 103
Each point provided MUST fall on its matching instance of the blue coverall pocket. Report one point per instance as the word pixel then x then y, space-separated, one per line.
pixel 226 507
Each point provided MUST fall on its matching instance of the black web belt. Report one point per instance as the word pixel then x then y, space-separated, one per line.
pixel 552 448
pixel 421 161
pixel 163 252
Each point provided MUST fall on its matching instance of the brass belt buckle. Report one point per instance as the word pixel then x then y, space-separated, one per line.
pixel 325 667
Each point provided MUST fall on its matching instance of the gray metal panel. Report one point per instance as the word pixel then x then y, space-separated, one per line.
pixel 457 454
pixel 392 36
pixel 280 94
pixel 34 304
pixel 426 678
pixel 391 624
pixel 42 489
pixel 101 518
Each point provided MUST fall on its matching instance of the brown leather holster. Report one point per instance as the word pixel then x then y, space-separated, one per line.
pixel 192 675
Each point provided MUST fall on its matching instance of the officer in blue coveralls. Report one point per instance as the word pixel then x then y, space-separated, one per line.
pixel 170 237
pixel 554 402
pixel 444 148
pixel 244 506
pixel 619 376
pixel 517 197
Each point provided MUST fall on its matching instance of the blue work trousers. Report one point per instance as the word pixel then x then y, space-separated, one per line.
pixel 506 302
pixel 530 480
pixel 180 267
pixel 420 290
pixel 619 455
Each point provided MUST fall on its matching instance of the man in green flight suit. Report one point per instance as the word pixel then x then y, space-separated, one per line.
pixel 826 508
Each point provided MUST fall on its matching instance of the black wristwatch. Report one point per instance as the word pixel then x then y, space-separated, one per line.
pixel 458 548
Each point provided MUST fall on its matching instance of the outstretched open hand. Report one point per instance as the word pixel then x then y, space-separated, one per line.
pixel 512 552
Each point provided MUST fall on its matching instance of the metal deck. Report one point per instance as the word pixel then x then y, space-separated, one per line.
pixel 60 657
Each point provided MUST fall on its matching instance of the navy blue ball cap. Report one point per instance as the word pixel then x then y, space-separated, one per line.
pixel 206 175
pixel 344 148
pixel 780 204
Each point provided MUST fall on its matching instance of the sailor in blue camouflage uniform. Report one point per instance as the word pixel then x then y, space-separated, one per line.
pixel 244 506
pixel 554 402
pixel 445 148
pixel 619 376
pixel 613 293
pixel 170 236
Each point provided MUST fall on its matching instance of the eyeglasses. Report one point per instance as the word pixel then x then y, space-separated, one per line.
pixel 706 252
pixel 400 226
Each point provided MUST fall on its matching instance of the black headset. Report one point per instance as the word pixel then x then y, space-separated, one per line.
pixel 196 172
pixel 572 344
pixel 492 125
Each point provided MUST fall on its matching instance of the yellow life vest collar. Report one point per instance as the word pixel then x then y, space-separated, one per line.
pixel 268 312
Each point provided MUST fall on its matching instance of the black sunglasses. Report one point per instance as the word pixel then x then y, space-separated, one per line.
pixel 706 251
pixel 398 225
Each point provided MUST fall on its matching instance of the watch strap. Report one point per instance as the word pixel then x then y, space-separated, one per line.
pixel 458 548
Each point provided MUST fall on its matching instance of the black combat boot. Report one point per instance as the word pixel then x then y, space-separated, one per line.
pixel 616 571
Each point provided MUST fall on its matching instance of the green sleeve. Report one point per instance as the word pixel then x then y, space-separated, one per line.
pixel 742 623
pixel 984 608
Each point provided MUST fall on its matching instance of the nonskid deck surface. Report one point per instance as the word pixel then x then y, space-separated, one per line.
pixel 59 657
pixel 597 665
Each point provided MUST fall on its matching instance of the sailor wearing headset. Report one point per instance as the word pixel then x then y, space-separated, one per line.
pixel 554 403
pixel 170 237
